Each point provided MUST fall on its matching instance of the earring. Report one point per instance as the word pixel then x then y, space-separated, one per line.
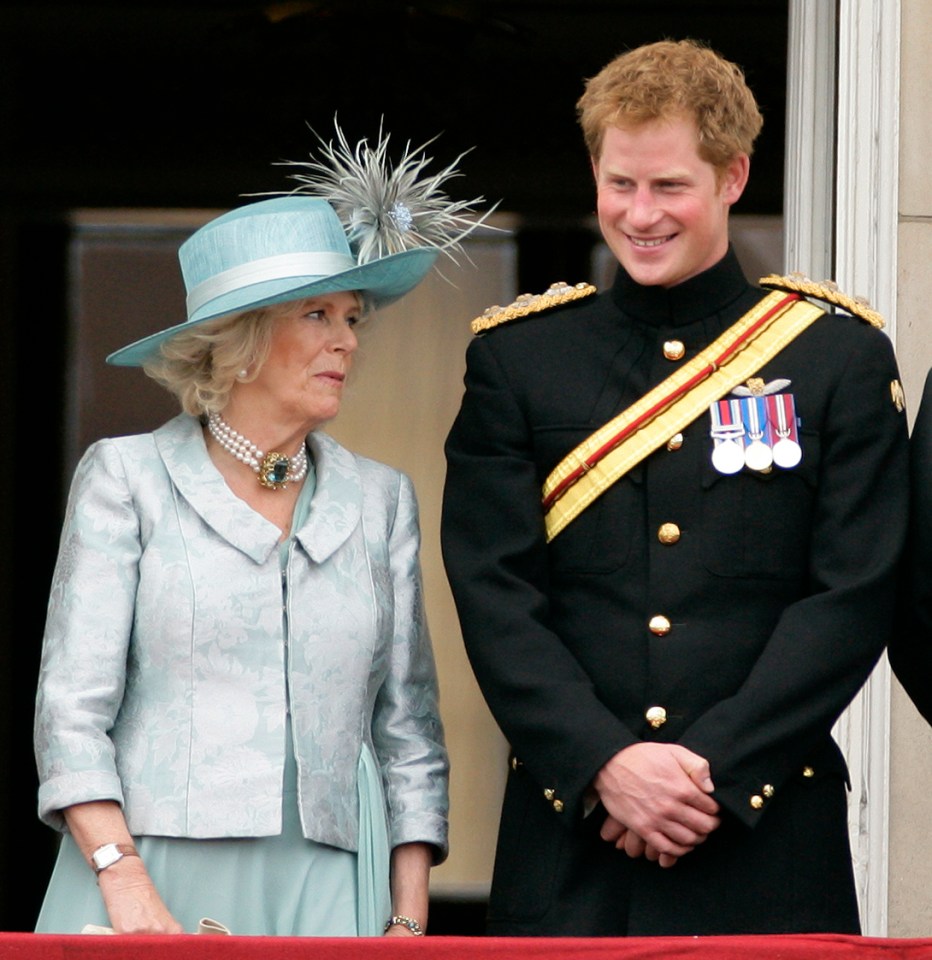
pixel 242 375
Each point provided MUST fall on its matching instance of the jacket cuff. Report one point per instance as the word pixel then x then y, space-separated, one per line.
pixel 64 791
pixel 424 828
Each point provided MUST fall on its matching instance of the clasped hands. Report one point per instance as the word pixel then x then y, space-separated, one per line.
pixel 658 800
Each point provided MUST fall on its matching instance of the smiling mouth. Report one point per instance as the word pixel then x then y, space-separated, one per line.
pixel 651 241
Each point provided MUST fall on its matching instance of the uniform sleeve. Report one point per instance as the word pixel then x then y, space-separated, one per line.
pixel 911 645
pixel 88 625
pixel 825 645
pixel 495 554
pixel 407 731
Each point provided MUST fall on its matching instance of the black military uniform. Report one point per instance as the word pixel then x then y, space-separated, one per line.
pixel 740 613
pixel 911 644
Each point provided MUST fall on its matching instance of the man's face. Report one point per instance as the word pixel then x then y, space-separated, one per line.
pixel 662 210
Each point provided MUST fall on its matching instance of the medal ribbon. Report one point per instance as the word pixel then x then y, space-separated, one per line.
pixel 609 453
pixel 758 454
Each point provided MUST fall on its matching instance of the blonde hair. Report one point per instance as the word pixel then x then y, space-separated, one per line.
pixel 663 80
pixel 199 366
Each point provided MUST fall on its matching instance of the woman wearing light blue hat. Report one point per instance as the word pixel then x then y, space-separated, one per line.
pixel 237 708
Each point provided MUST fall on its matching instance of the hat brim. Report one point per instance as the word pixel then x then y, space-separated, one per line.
pixel 384 280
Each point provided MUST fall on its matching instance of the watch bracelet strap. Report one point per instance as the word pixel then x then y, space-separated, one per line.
pixel 402 921
pixel 126 849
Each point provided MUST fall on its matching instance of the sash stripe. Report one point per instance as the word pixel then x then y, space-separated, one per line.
pixel 605 456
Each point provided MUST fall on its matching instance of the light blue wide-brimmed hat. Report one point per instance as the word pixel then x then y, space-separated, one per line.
pixel 356 221
pixel 274 251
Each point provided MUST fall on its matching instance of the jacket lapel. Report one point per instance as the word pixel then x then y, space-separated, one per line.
pixel 336 507
pixel 180 443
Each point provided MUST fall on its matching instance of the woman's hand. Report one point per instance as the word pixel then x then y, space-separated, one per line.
pixel 132 902
pixel 410 877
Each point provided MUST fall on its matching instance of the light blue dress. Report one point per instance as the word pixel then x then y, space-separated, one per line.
pixel 283 885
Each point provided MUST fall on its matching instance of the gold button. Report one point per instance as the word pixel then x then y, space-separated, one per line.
pixel 808 772
pixel 674 349
pixel 668 533
pixel 767 790
pixel 757 802
pixel 515 763
pixel 659 625
pixel 550 793
pixel 558 806
pixel 675 442
pixel 656 717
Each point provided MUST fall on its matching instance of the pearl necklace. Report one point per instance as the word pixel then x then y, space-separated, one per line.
pixel 275 470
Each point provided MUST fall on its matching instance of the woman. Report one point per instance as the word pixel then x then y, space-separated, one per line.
pixel 237 708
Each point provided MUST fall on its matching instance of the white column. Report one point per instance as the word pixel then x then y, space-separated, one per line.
pixel 861 255
pixel 809 180
pixel 865 265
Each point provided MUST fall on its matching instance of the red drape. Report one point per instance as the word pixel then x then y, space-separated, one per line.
pixel 28 946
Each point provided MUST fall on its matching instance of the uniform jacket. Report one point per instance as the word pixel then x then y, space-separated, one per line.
pixel 163 682
pixel 911 643
pixel 778 589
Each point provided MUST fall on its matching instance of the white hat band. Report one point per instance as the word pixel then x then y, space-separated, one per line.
pixel 270 268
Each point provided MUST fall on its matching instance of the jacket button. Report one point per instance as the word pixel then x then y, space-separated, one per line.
pixel 558 806
pixel 675 442
pixel 757 802
pixel 549 793
pixel 515 763
pixel 767 790
pixel 659 625
pixel 668 533
pixel 808 772
pixel 656 717
pixel 674 349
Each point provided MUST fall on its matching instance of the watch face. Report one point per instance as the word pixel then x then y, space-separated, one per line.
pixel 105 856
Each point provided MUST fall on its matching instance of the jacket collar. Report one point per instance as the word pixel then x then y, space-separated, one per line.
pixel 710 292
pixel 335 509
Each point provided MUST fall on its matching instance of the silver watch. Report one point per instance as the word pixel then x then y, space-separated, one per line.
pixel 108 854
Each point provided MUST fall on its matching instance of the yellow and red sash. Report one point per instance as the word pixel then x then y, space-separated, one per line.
pixel 609 453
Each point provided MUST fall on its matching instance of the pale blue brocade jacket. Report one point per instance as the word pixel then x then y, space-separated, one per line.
pixel 163 680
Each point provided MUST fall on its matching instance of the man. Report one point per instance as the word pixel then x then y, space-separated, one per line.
pixel 910 649
pixel 666 644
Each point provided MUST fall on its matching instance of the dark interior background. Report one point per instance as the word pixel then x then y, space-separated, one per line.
pixel 188 105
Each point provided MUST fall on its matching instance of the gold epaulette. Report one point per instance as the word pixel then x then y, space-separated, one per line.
pixel 528 303
pixel 826 290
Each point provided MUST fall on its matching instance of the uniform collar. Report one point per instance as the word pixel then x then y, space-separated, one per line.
pixel 697 298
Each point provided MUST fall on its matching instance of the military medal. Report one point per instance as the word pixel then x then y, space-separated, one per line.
pixel 781 410
pixel 728 434
pixel 757 454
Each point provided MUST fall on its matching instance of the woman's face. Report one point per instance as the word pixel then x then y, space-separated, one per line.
pixel 302 380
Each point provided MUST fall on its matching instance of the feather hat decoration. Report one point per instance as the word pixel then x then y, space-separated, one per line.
pixel 388 207
pixel 355 222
